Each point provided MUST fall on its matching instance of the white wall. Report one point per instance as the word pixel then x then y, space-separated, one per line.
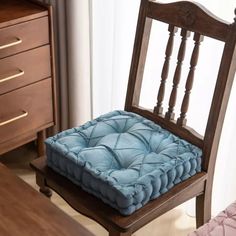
pixel 114 25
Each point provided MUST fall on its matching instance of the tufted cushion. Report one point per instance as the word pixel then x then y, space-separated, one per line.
pixel 123 158
pixel 222 225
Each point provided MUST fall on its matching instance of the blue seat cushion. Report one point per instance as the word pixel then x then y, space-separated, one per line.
pixel 123 159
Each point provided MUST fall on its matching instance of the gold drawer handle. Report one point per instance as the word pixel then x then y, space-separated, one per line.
pixel 15 42
pixel 20 73
pixel 25 113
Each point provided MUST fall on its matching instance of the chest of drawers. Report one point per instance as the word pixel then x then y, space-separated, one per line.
pixel 27 78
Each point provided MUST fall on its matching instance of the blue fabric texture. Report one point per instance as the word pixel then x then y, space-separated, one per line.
pixel 123 159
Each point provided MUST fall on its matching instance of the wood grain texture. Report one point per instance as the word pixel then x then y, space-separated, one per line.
pixel 191 16
pixel 34 63
pixel 55 83
pixel 165 70
pixel 17 11
pixel 28 32
pixel 189 83
pixel 41 136
pixel 17 142
pixel 177 75
pixel 137 64
pixel 26 57
pixel 34 99
pixel 25 212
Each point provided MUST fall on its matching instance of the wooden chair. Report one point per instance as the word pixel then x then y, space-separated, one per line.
pixel 189 17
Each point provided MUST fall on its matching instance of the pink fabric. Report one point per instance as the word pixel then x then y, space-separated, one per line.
pixel 222 225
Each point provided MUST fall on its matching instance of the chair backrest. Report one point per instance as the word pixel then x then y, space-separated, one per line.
pixel 189 17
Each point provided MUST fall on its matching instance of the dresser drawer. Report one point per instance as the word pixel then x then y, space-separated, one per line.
pixel 24 68
pixel 24 36
pixel 25 110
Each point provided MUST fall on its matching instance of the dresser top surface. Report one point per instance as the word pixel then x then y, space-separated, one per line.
pixel 19 10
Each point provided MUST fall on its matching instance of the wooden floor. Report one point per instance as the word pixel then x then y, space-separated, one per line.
pixel 173 223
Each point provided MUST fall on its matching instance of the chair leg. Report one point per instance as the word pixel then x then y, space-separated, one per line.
pixel 40 180
pixel 117 233
pixel 203 207
pixel 46 191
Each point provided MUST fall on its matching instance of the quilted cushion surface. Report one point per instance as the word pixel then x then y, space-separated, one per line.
pixel 123 159
pixel 222 225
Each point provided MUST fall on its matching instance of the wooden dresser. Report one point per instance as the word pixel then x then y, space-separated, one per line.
pixel 27 78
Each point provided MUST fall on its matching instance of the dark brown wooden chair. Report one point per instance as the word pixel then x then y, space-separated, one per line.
pixel 189 17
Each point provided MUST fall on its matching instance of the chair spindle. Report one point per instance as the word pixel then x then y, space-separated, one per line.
pixel 181 54
pixel 165 70
pixel 189 83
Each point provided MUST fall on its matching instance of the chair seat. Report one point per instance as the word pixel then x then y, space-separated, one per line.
pixel 123 159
